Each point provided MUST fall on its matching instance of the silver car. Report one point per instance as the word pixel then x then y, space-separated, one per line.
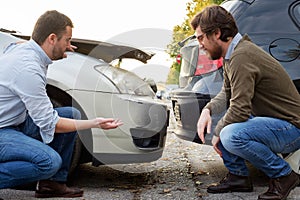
pixel 86 81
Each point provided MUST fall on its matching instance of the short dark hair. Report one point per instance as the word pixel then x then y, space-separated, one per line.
pixel 215 17
pixel 50 22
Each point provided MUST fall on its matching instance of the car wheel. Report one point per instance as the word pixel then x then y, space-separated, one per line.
pixel 57 102
pixel 76 156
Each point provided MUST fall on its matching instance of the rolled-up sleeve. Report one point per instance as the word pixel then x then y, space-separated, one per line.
pixel 30 86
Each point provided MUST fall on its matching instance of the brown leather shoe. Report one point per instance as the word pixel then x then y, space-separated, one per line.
pixel 281 187
pixel 47 189
pixel 232 183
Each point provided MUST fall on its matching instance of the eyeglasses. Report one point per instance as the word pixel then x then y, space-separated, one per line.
pixel 200 37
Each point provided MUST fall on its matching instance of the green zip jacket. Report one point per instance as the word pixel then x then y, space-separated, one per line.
pixel 255 84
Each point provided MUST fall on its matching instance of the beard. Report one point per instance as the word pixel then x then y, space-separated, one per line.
pixel 216 53
pixel 57 54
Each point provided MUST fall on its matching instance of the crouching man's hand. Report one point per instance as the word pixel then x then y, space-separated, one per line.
pixel 65 125
pixel 215 142
pixel 204 121
pixel 107 123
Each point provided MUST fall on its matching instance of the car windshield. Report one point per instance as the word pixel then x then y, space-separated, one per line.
pixel 127 82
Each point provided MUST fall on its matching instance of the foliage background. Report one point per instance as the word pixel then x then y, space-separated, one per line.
pixel 183 31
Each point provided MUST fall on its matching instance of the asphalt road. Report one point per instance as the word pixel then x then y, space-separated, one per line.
pixel 183 173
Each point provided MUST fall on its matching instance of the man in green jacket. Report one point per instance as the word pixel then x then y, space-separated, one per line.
pixel 263 108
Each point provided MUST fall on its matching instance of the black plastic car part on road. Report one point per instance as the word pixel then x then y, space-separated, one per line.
pixel 272 25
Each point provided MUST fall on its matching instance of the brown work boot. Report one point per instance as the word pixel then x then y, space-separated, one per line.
pixel 232 183
pixel 280 188
pixel 47 189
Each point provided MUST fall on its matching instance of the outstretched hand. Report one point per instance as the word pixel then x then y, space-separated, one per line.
pixel 108 123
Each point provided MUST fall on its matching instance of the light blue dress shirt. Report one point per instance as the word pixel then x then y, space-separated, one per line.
pixel 232 45
pixel 23 70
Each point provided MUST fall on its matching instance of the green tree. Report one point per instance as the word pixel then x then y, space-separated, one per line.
pixel 183 31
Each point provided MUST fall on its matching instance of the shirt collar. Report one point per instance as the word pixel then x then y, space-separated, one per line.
pixel 44 57
pixel 232 45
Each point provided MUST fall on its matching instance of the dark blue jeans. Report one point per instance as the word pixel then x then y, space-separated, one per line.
pixel 24 158
pixel 259 140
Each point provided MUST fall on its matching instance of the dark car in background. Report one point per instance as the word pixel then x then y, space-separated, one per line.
pixel 272 25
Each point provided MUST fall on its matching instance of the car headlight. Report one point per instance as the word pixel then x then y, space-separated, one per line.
pixel 127 82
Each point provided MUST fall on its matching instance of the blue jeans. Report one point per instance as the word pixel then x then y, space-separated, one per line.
pixel 24 158
pixel 258 141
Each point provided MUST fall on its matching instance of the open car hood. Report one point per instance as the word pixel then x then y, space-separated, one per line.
pixel 101 50
pixel 108 51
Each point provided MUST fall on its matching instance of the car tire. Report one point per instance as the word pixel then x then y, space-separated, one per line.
pixel 78 144
pixel 75 157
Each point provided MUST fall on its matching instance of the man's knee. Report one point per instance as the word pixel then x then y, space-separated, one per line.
pixel 230 136
pixel 68 112
pixel 76 113
pixel 50 162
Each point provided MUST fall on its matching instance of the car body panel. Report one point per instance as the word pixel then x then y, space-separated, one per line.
pixel 79 76
pixel 265 25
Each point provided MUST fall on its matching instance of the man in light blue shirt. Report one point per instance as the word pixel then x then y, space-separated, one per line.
pixel 26 97
pixel 36 140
